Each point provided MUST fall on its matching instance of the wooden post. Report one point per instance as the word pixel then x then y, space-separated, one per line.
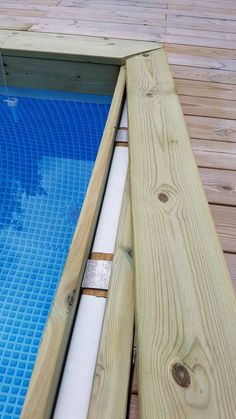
pixel 185 304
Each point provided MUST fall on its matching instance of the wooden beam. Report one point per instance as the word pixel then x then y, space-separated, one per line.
pixel 71 47
pixel 111 382
pixel 44 382
pixel 69 76
pixel 185 304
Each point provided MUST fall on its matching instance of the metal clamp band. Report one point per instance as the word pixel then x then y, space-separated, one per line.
pixel 97 274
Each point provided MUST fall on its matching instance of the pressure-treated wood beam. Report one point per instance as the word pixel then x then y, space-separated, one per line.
pixel 185 304
pixel 111 381
pixel 71 47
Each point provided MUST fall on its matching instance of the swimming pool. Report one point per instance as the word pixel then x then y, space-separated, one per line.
pixel 48 145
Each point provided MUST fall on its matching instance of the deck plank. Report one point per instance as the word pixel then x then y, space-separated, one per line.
pixel 101 29
pixel 201 61
pixel 199 88
pixel 183 260
pixel 201 51
pixel 214 154
pixel 212 107
pixel 211 128
pixel 133 408
pixel 118 15
pixel 231 262
pixel 198 73
pixel 220 186
pixel 204 12
pixel 225 222
pixel 221 25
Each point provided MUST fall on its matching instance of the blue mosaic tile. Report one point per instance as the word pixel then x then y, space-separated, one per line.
pixel 47 154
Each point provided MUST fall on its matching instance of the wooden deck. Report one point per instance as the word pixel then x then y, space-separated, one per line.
pixel 200 41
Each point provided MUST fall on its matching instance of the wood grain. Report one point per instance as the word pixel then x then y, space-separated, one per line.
pixel 111 381
pixel 133 407
pixel 99 29
pixel 200 51
pixel 201 61
pixel 225 221
pixel 68 76
pixel 94 292
pixel 119 14
pixel 206 12
pixel 205 89
pixel 231 262
pixel 71 47
pixel 206 74
pixel 211 128
pixel 197 22
pixel 101 256
pixel 44 381
pixel 219 185
pixel 215 154
pixel 212 107
pixel 134 380
pixel 185 304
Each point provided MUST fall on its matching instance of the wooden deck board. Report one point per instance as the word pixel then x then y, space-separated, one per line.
pixel 214 154
pixel 225 221
pixel 211 128
pixel 219 185
pixel 206 89
pixel 209 107
pixel 176 227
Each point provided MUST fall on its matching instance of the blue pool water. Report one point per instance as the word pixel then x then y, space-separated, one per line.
pixel 47 153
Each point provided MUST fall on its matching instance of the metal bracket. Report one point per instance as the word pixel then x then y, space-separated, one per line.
pixel 97 274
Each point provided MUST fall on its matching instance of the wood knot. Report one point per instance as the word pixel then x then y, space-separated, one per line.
pixel 163 197
pixel 145 55
pixel 130 252
pixel 149 94
pixel 70 298
pixel 181 375
pixel 227 188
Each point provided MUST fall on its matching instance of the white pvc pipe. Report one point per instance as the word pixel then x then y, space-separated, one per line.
pixel 74 397
pixel 76 386
pixel 105 238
